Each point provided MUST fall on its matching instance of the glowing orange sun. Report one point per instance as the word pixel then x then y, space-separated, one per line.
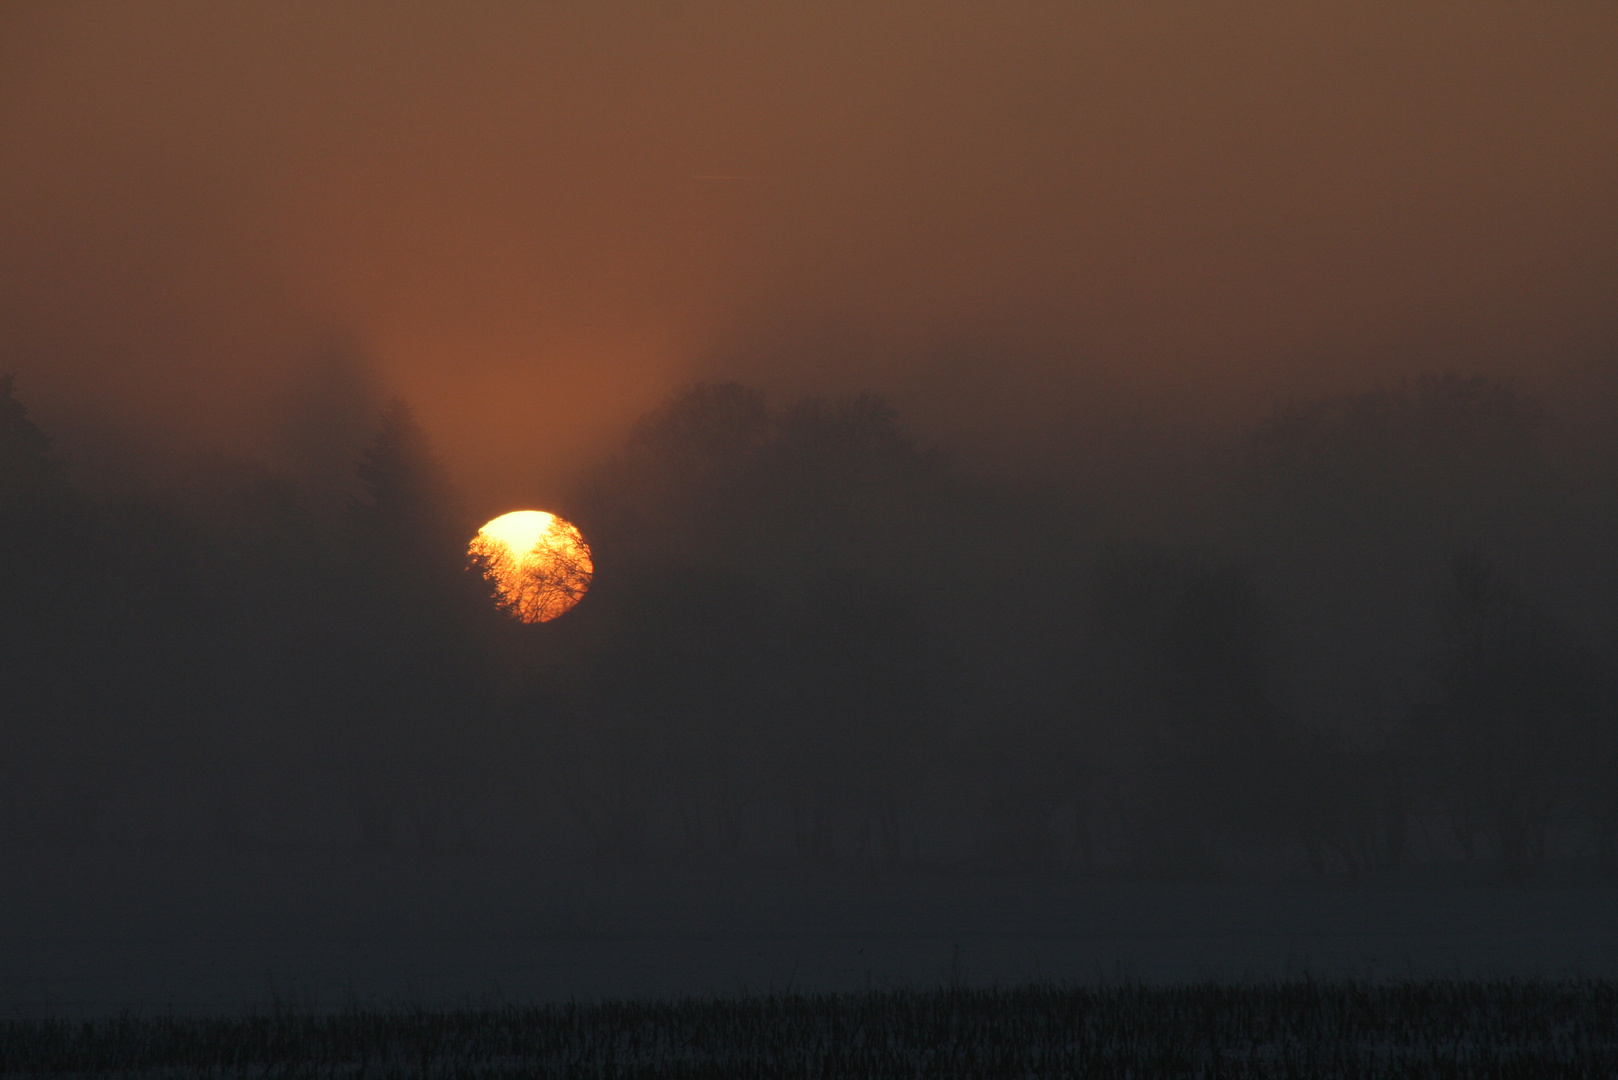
pixel 539 564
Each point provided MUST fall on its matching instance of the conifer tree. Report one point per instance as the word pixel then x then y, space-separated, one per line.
pixel 406 530
pixel 27 467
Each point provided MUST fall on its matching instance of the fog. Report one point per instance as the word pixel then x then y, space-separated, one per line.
pixel 534 222
pixel 1048 466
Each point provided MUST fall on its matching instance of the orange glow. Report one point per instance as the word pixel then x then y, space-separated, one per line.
pixel 539 564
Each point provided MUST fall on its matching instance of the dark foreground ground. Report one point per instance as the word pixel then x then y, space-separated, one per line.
pixel 1320 1030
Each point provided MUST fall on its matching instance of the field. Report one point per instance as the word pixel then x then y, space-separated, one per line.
pixel 1320 1030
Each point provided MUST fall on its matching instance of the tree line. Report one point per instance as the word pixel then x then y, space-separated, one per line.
pixel 1381 635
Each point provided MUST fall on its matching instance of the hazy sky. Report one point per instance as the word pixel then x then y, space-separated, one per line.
pixel 236 223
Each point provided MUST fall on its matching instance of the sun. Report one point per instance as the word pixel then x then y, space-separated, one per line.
pixel 539 564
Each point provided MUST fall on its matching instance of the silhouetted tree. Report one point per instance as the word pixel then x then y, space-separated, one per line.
pixel 1348 505
pixel 38 542
pixel 1510 722
pixel 38 521
pixel 1438 451
pixel 414 685
pixel 734 529
pixel 1349 806
pixel 1353 499
pixel 407 525
pixel 1182 665
pixel 684 713
pixel 670 492
pixel 28 469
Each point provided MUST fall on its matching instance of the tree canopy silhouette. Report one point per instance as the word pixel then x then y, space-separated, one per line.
pixel 27 467
pixel 407 525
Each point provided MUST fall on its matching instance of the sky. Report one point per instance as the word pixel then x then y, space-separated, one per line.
pixel 241 227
